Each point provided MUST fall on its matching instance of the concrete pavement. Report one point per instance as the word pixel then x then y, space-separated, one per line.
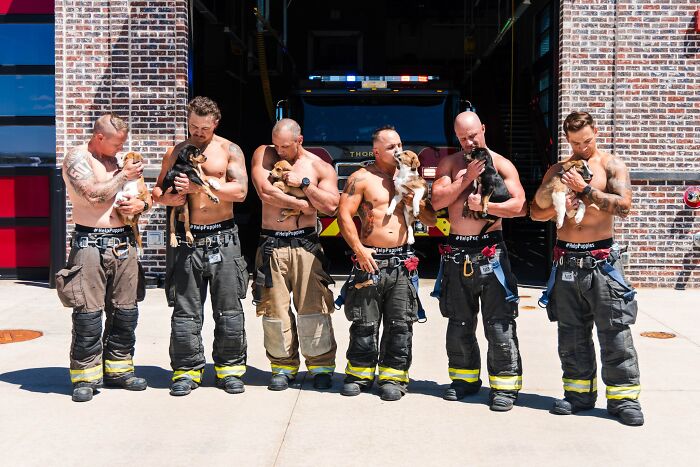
pixel 40 425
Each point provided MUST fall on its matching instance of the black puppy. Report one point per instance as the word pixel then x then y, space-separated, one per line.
pixel 188 162
pixel 493 188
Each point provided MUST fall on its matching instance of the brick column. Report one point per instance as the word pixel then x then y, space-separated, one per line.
pixel 128 57
pixel 634 65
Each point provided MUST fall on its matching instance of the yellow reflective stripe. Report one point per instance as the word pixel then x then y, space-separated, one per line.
pixel 580 385
pixel 360 371
pixel 224 371
pixel 623 392
pixel 119 366
pixel 386 373
pixel 194 375
pixel 284 370
pixel 88 374
pixel 508 383
pixel 317 369
pixel 470 376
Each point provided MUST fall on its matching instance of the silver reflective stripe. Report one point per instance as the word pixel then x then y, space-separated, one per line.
pixel 321 369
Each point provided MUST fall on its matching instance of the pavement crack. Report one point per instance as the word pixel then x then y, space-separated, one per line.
pixel 289 421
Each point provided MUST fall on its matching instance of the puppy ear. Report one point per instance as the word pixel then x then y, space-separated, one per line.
pixel 415 162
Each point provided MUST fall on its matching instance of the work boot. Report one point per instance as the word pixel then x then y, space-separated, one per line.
pixel 322 381
pixel 231 384
pixel 82 392
pixel 279 382
pixel 390 392
pixel 457 392
pixel 351 389
pixel 182 387
pixel 566 407
pixel 501 403
pixel 128 382
pixel 630 416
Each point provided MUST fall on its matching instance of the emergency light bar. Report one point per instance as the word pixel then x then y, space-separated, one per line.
pixel 354 78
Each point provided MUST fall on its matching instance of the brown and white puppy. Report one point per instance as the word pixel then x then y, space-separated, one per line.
pixel 554 192
pixel 131 189
pixel 277 179
pixel 408 181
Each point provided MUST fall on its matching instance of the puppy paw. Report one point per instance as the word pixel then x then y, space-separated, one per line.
pixel 214 184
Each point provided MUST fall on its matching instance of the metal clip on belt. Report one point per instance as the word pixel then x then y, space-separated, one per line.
pixel 583 262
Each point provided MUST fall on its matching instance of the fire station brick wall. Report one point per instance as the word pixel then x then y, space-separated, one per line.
pixel 635 65
pixel 128 57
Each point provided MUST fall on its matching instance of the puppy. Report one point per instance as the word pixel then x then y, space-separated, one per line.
pixel 406 181
pixel 493 188
pixel 277 179
pixel 188 162
pixel 131 189
pixel 554 192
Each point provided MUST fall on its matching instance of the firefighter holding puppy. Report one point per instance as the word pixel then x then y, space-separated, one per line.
pixel 587 284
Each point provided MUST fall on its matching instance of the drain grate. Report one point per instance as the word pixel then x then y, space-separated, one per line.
pixel 8 336
pixel 658 334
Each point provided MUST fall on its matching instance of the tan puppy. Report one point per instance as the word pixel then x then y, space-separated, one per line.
pixel 134 189
pixel 554 192
pixel 277 179
pixel 408 181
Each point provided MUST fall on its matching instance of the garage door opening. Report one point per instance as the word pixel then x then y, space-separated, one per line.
pixel 499 55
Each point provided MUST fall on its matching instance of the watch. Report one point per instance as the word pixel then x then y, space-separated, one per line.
pixel 305 182
pixel 586 190
pixel 146 207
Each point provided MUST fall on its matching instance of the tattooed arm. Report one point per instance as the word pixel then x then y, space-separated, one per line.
pixel 236 187
pixel 79 174
pixel 617 199
pixel 351 204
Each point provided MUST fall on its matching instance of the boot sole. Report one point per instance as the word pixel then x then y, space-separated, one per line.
pixel 82 399
pixel 235 390
pixel 278 388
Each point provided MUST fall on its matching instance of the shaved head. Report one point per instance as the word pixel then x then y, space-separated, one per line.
pixel 469 131
pixel 109 125
pixel 287 124
pixel 467 119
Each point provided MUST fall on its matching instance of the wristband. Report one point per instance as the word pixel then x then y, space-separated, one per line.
pixel 586 190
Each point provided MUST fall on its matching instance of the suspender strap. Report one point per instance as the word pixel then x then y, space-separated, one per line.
pixel 544 299
pixel 615 275
pixel 498 271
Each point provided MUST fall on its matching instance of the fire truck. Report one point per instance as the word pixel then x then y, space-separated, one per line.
pixel 339 113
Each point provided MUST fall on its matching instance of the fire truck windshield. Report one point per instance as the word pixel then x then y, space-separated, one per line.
pixel 333 120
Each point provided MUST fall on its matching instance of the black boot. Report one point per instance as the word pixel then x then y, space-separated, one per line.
pixel 82 392
pixel 128 382
pixel 500 403
pixel 182 387
pixel 231 384
pixel 391 392
pixel 323 381
pixel 279 382
pixel 458 392
pixel 630 415
pixel 566 407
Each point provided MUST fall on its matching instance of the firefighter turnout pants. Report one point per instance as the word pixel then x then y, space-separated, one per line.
pixel 214 259
pixel 583 296
pixel 102 274
pixel 469 280
pixel 293 263
pixel 390 301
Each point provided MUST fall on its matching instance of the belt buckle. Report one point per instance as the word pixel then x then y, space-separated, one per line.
pixel 83 242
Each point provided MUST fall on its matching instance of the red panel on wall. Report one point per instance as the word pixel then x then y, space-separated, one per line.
pixel 26 7
pixel 24 196
pixel 25 247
